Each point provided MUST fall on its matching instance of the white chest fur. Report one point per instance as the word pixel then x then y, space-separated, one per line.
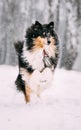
pixel 35 59
pixel 38 81
pixel 42 80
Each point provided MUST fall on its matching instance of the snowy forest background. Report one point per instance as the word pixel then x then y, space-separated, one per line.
pixel 17 15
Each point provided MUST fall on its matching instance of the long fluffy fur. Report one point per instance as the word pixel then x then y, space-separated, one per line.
pixel 37 58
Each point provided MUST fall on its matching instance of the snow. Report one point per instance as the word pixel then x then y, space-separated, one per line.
pixel 58 108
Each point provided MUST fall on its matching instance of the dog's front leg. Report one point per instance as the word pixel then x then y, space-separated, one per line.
pixel 35 83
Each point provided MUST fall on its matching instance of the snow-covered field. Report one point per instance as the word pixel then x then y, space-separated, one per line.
pixel 59 107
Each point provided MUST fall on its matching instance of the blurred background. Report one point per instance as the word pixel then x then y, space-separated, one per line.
pixel 17 15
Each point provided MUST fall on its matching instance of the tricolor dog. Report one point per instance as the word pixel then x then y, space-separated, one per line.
pixel 37 58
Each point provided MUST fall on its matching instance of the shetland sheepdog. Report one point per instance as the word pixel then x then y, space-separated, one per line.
pixel 37 59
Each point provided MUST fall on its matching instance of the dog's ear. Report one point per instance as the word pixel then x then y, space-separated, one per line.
pixel 51 25
pixel 37 24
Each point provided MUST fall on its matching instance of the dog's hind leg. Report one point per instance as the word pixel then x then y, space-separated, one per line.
pixel 26 77
pixel 22 86
pixel 27 93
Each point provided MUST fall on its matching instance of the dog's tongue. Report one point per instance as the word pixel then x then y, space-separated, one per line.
pixel 46 59
pixel 44 52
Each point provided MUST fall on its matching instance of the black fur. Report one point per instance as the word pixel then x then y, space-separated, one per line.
pixel 18 47
pixel 20 84
pixel 40 30
pixel 22 63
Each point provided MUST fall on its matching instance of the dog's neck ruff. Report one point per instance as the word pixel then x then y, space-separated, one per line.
pixel 38 60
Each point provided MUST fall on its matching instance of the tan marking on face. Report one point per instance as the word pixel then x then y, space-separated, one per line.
pixel 52 44
pixel 51 48
pixel 52 40
pixel 39 43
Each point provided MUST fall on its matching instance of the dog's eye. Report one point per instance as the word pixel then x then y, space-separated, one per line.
pixel 44 33
pixel 48 34
pixel 35 29
pixel 33 36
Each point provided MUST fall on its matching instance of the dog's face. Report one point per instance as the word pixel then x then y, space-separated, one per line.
pixel 40 36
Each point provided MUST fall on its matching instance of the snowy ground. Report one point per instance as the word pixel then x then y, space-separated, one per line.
pixel 59 107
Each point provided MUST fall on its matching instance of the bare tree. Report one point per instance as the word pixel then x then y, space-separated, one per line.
pixel 70 43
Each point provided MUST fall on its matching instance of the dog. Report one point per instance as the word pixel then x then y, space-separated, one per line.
pixel 37 59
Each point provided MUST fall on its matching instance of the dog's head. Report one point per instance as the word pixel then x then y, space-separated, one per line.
pixel 39 36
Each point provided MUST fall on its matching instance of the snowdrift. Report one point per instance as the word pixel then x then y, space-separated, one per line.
pixel 58 108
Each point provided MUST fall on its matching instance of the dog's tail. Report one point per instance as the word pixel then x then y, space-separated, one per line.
pixel 18 47
pixel 20 84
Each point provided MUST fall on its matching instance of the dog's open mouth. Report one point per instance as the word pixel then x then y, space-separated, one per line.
pixel 45 53
pixel 46 59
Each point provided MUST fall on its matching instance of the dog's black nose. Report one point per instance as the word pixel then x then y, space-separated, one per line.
pixel 49 42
